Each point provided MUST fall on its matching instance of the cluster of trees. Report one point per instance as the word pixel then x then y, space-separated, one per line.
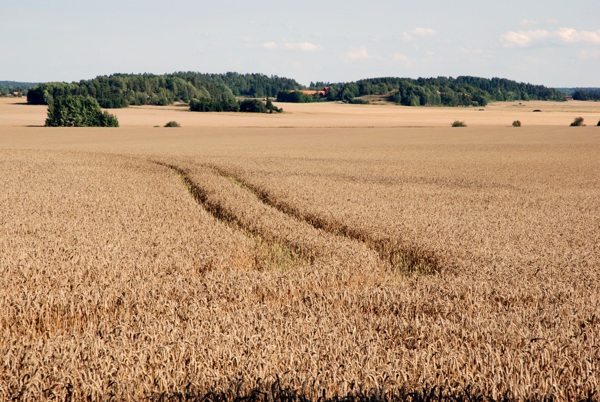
pixel 257 106
pixel 346 92
pixel 219 101
pixel 296 97
pixel 214 92
pixel 78 111
pixel 226 104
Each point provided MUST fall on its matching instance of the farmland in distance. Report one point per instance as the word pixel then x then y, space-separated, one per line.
pixel 332 249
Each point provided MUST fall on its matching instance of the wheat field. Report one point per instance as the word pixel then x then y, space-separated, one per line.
pixel 330 251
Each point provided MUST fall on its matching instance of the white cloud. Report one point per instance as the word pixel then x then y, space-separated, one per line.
pixel 570 35
pixel 303 46
pixel 527 23
pixel 252 43
pixel 475 52
pixel 524 38
pixel 357 54
pixel 418 32
pixel 299 46
pixel 269 45
pixel 563 35
pixel 423 32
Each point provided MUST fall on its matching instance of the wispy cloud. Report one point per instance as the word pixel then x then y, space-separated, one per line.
pixel 269 45
pixel 400 57
pixel 303 46
pixel 423 32
pixel 570 35
pixel 295 46
pixel 528 23
pixel 418 33
pixel 358 53
pixel 524 38
pixel 476 52
pixel 252 42
pixel 263 45
pixel 562 35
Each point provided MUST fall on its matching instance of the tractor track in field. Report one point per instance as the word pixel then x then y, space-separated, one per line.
pixel 223 214
pixel 409 258
pixel 406 258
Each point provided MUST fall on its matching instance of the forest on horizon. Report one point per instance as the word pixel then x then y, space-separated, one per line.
pixel 216 92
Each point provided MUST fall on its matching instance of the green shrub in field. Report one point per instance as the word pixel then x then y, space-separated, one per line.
pixel 253 106
pixel 272 108
pixel 458 123
pixel 172 124
pixel 516 123
pixel 78 111
pixel 577 122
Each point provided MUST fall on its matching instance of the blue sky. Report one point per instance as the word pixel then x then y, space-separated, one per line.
pixel 549 42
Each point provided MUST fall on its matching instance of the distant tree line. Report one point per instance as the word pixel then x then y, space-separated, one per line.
pixel 10 87
pixel 592 94
pixel 440 91
pixel 212 92
pixel 218 92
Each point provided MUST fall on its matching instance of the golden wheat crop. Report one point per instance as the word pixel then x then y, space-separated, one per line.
pixel 144 263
